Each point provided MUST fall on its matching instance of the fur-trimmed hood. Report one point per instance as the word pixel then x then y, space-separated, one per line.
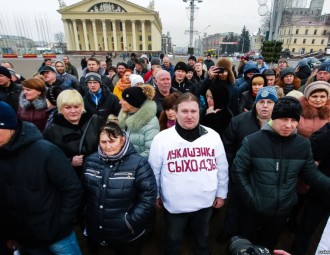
pixel 296 83
pixel 39 104
pixel 310 112
pixel 134 122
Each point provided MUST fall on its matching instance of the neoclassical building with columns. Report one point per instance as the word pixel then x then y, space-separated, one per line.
pixel 114 25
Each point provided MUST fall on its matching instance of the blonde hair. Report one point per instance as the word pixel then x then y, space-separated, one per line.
pixel 258 80
pixel 69 97
pixel 280 91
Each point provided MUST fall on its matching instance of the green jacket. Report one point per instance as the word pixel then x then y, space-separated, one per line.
pixel 142 126
pixel 266 170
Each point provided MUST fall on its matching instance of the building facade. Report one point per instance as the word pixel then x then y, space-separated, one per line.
pixel 119 25
pixel 305 36
pixel 16 44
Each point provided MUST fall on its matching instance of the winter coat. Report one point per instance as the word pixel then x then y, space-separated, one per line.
pixel 142 126
pixel 70 80
pixel 67 136
pixel 71 69
pixel 184 86
pixel 267 167
pixel 39 190
pixel 10 94
pixel 119 211
pixel 35 111
pixel 296 84
pixel 240 126
pixel 208 63
pixel 169 69
pixel 108 104
pixel 312 119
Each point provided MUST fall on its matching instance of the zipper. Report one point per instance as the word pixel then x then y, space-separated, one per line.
pixel 95 172
pixel 128 224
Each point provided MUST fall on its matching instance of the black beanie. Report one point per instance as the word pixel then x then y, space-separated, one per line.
pixel 4 71
pixel 287 107
pixel 181 66
pixel 134 96
pixel 8 119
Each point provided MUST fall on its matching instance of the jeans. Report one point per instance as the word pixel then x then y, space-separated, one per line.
pixel 66 246
pixel 175 225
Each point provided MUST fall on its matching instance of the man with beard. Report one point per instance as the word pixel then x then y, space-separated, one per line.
pixel 67 78
pixel 69 68
pixel 121 66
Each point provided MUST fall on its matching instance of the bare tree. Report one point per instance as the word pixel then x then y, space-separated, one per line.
pixel 59 39
pixel 265 23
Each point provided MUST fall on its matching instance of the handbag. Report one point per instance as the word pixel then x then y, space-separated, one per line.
pixel 84 134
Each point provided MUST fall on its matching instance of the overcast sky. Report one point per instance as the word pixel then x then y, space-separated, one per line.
pixel 39 19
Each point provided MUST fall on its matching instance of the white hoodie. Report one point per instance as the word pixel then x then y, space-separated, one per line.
pixel 189 175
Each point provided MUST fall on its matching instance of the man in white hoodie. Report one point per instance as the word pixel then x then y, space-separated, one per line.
pixel 191 170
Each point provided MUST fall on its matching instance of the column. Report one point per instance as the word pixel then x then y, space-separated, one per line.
pixel 104 29
pixel 75 32
pixel 134 35
pixel 67 34
pixel 114 31
pixel 143 35
pixel 123 22
pixel 96 44
pixel 85 35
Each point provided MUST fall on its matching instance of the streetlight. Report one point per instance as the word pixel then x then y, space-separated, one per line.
pixel 192 7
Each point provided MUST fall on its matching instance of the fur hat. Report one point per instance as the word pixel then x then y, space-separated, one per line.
pixel 136 96
pixel 226 64
pixel 181 66
pixel 287 71
pixel 316 85
pixel 8 119
pixel 4 71
pixel 267 93
pixel 287 107
pixel 93 77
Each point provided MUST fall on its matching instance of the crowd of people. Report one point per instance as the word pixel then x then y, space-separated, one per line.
pixel 106 151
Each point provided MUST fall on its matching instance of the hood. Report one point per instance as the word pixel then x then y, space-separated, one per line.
pixel 220 96
pixel 26 134
pixel 250 66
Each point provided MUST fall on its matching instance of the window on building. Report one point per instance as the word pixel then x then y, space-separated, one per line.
pixel 149 47
pixel 295 41
pixel 289 31
pixel 322 41
pixel 287 41
pixel 149 37
pixel 140 38
pixel 304 41
pixel 324 32
pixel 306 32
pixel 313 41
pixel 315 31
pixel 301 12
pixel 311 51
pixel 121 26
pixel 140 47
pixel 293 50
pixel 297 31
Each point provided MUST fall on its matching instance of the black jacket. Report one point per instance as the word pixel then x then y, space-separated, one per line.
pixel 121 197
pixel 106 81
pixel 39 190
pixel 184 86
pixel 108 104
pixel 267 167
pixel 11 94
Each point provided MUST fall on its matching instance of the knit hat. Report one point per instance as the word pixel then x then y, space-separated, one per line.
pixel 4 71
pixel 287 71
pixel 282 60
pixel 260 57
pixel 193 58
pixel 268 72
pixel 136 96
pixel 316 85
pixel 155 61
pixel 93 77
pixel 287 107
pixel 181 66
pixel 52 93
pixel 295 93
pixel 325 66
pixel 267 93
pixel 8 119
pixel 12 72
pixel 190 69
pixel 47 69
pixel 135 79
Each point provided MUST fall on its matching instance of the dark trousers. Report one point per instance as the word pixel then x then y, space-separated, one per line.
pixel 260 229
pixel 199 224
pixel 131 248
pixel 315 212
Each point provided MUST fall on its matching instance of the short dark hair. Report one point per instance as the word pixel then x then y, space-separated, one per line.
pixel 170 100
pixel 112 130
pixel 186 97
pixel 94 59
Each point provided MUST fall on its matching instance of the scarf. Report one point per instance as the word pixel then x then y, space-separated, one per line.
pixel 118 156
pixel 96 97
pixel 189 135
pixel 122 85
pixel 287 88
pixel 170 123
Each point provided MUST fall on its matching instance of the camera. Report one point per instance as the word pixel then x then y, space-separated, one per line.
pixel 241 246
pixel 221 70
